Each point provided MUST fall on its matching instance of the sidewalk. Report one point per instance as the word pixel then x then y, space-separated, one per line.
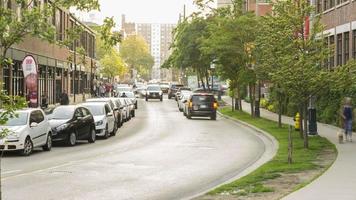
pixel 339 182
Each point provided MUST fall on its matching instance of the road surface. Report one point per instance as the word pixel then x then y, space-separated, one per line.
pixel 157 155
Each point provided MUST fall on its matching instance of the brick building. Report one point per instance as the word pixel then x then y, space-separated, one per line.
pixel 339 18
pixel 56 72
pixel 261 8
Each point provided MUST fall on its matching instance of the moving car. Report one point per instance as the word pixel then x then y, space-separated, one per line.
pixel 104 118
pixel 130 95
pixel 201 105
pixel 154 92
pixel 173 89
pixel 28 130
pixel 72 123
pixel 164 87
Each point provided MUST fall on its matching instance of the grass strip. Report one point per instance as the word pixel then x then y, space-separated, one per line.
pixel 303 159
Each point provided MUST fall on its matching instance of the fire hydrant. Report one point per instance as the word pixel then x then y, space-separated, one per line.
pixel 296 122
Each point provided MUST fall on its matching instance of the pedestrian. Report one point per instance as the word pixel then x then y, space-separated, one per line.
pixel 64 98
pixel 102 90
pixel 347 118
pixel 44 101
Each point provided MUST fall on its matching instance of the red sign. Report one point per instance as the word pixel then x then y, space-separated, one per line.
pixel 29 67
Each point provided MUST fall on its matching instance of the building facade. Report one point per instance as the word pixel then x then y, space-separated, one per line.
pixel 261 8
pixel 339 18
pixel 59 68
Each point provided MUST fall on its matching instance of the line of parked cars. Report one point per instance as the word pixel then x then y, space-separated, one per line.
pixel 196 104
pixel 33 127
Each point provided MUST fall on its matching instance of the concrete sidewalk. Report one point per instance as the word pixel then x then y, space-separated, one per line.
pixel 339 182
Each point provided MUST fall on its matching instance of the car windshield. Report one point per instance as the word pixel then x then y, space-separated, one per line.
pixel 95 109
pixel 63 112
pixel 177 86
pixel 19 120
pixel 154 88
pixel 203 98
pixel 130 94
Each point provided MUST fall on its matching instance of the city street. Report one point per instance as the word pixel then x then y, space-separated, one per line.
pixel 157 155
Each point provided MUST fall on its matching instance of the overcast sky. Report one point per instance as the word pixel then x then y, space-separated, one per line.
pixel 141 11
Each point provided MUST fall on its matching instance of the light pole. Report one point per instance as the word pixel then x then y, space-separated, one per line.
pixel 212 68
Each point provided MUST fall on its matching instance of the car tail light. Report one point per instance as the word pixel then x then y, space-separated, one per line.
pixel 215 105
pixel 190 104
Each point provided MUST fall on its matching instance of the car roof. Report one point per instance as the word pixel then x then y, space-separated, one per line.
pixel 93 103
pixel 202 94
pixel 27 110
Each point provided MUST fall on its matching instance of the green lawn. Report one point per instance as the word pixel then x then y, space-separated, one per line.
pixel 303 159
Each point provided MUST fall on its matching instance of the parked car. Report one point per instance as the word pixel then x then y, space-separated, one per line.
pixel 173 89
pixel 30 129
pixel 184 96
pixel 125 109
pixel 154 92
pixel 104 118
pixel 201 105
pixel 114 105
pixel 131 96
pixel 120 89
pixel 72 123
pixel 131 106
pixel 180 90
pixel 164 87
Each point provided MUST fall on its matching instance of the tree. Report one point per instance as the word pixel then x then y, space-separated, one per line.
pixel 112 65
pixel 135 53
pixel 296 54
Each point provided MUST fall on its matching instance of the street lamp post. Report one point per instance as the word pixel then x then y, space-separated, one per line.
pixel 212 67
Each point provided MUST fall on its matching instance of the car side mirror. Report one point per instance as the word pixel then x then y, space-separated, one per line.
pixel 33 124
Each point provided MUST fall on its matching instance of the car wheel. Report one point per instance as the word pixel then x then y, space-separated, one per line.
pixel 136 105
pixel 146 99
pixel 72 139
pixel 114 131
pixel 107 134
pixel 92 136
pixel 48 145
pixel 189 116
pixel 169 97
pixel 28 147
pixel 180 110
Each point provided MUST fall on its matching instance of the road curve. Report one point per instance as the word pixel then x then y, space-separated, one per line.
pixel 158 155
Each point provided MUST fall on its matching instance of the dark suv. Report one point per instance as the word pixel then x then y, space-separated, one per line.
pixel 154 92
pixel 173 88
pixel 201 105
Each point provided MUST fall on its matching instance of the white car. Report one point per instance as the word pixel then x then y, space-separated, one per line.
pixel 28 130
pixel 130 95
pixel 103 117
pixel 184 96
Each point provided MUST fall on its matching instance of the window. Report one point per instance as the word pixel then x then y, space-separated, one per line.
pixel 339 50
pixel 346 47
pixel 36 116
pixel 318 6
pixel 85 112
pixel 332 57
pixel 107 109
pixel 354 44
pixel 78 113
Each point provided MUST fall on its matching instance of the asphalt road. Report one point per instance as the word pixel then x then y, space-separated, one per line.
pixel 158 155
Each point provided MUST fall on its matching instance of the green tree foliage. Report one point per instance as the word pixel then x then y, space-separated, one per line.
pixel 111 65
pixel 135 53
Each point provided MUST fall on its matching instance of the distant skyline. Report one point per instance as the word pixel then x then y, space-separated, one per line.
pixel 140 11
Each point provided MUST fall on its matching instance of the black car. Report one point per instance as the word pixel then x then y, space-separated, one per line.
pixel 201 105
pixel 154 92
pixel 72 123
pixel 173 88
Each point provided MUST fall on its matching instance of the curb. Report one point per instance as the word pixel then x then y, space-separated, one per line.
pixel 266 156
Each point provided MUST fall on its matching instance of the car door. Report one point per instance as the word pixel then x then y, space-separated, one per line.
pixel 87 120
pixel 79 124
pixel 110 117
pixel 38 133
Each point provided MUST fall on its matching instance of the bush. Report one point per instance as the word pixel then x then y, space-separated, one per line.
pixel 264 103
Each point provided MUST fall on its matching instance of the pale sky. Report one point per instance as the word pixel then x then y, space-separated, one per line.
pixel 141 11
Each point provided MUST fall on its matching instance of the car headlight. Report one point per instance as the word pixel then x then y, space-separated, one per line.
pixel 61 127
pixel 13 136
pixel 99 123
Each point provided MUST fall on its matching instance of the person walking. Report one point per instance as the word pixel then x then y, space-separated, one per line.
pixel 347 118
pixel 102 90
pixel 64 98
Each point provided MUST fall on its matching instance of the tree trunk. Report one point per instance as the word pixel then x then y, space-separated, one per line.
pixel 238 100
pixel 252 99
pixel 207 81
pixel 306 138
pixel 301 117
pixel 232 104
pixel 280 112
pixel 258 99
